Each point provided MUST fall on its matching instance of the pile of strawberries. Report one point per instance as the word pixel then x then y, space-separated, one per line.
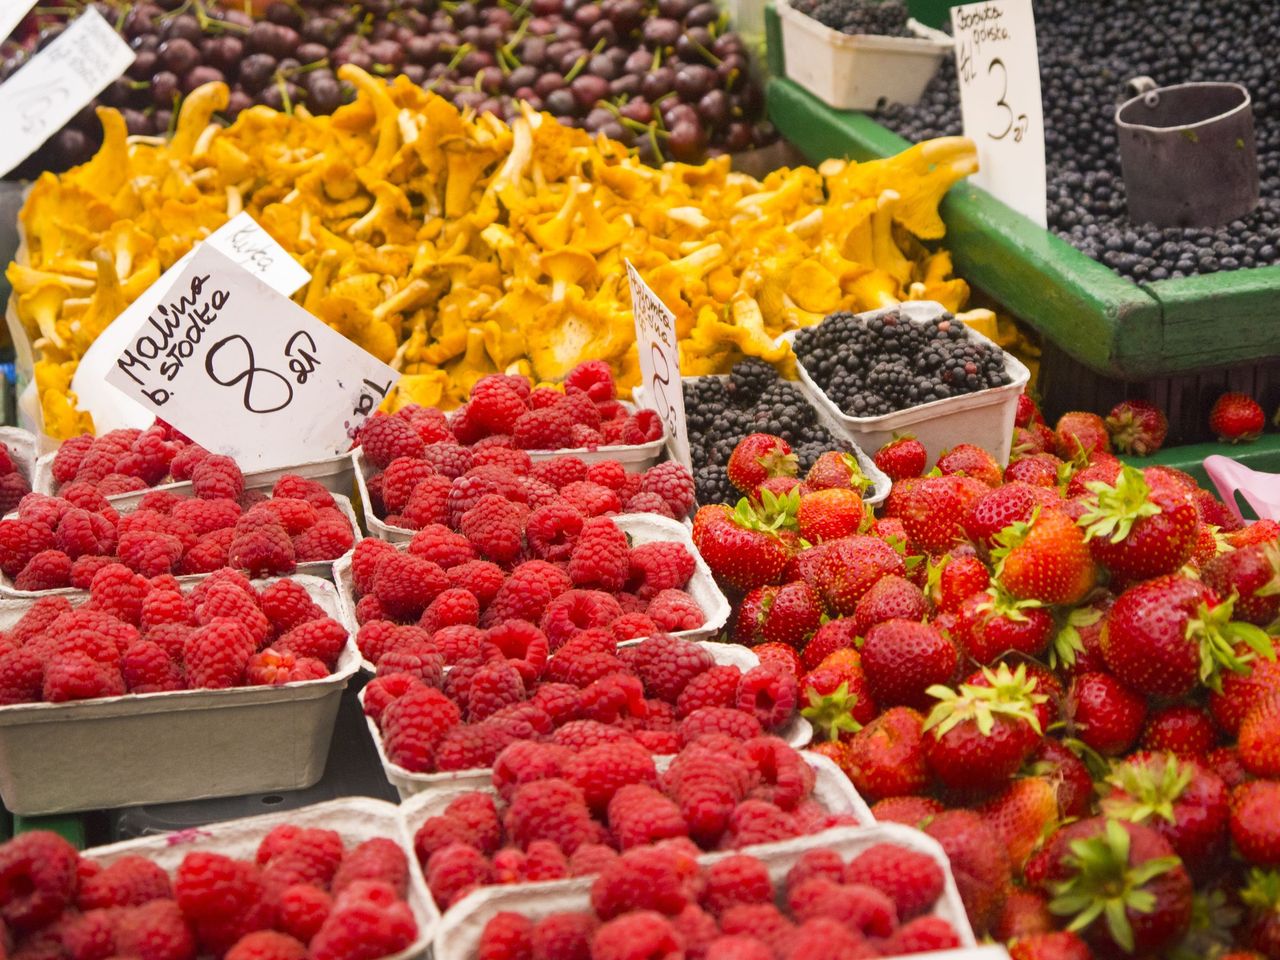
pixel 13 485
pixel 661 693
pixel 125 461
pixel 561 814
pixel 1073 657
pixel 430 468
pixel 134 635
pixel 305 896
pixel 63 541
pixel 659 902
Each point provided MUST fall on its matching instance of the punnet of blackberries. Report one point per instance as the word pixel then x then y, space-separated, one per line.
pixel 1087 53
pixel 720 411
pixel 888 19
pixel 873 366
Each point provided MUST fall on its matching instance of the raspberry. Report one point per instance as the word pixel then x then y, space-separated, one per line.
pixel 47 570
pixel 262 548
pixel 461 642
pixel 860 908
pixel 613 699
pixel 562 936
pixel 89 631
pixel 302 910
pixel 548 428
pixel 640 816
pixel 429 422
pixel 552 530
pixel 591 499
pixel 658 566
pixel 666 664
pixel 480 578
pixel 601 771
pixel 495 526
pixel 217 477
pixel 785 779
pixel 643 426
pixel 441 545
pixel 380 860
pixel 401 477
pixel 526 762
pixel 582 667
pixel 273 668
pixel 405 584
pixel 632 626
pixel 293 855
pixel 119 591
pixel 716 687
pixel 86 497
pixel 559 700
pixel 161 607
pixel 38 875
pixel 590 858
pixel 517 461
pixel 66 462
pixel 762 920
pixel 206 516
pixel 117 484
pixel 435 834
pixel 466 491
pixel 549 810
pixel 162 501
pixel 367 921
pixel 675 610
pixel 147 668
pixel 209 554
pixel 507 936
pixel 287 604
pixel 650 878
pixel 382 691
pixel 228 601
pixel 419 660
pixel 493 686
pixel 600 558
pixel 815 864
pixel 266 945
pixel 659 742
pixel 648 503
pixel 827 938
pixel 449 459
pixel 216 654
pixel 79 533
pixel 912 880
pixel 414 724
pixel 738 879
pixel 593 378
pixel 477 745
pixel 77 676
pixel 451 607
pixel 181 466
pixel 321 640
pixel 559 471
pixel 21 676
pixel 382 439
pixel 89 936
pixel 731 723
pixel 329 539
pixel 576 610
pixel 607 473
pixel 366 557
pixel 526 593
pixel 20 540
pixel 293 487
pixel 495 402
pixel 769 693
pixel 212 886
pixel 45 510
pixel 171 638
pixel 154 931
pixel 294 515
pixel 923 935
pixel 644 933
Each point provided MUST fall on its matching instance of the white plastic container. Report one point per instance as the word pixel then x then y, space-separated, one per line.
pixel 314 568
pixel 459 931
pixel 984 418
pixel 355 819
pixel 336 473
pixel 639 528
pixel 167 747
pixel 880 483
pixel 858 72
pixel 797 734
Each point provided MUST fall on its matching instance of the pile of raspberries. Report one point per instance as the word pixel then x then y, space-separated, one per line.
pixel 661 693
pixel 64 541
pixel 449 586
pixel 125 461
pixel 135 635
pixel 303 897
pixel 660 902
pixel 13 485
pixel 560 813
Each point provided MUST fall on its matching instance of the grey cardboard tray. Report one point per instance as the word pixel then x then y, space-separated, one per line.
pixel 315 568
pixel 355 819
pixel 459 932
pixel 22 449
pixel 166 747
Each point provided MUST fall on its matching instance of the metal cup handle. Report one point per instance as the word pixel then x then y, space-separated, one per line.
pixel 1142 86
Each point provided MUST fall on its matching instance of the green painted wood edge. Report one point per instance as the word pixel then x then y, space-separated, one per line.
pixel 1221 317
pixel 1263 454
pixel 68 826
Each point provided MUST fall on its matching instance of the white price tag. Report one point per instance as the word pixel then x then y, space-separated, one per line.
pixel 243 240
pixel 245 371
pixel 11 14
pixel 658 347
pixel 999 72
pixel 55 84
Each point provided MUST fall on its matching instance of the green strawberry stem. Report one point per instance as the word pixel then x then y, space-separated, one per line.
pixel 832 713
pixel 1219 637
pixel 1119 507
pixel 1011 694
pixel 1151 792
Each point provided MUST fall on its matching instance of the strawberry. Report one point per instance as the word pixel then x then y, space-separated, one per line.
pixel 979 863
pixel 1236 418
pixel 1039 469
pixel 779 487
pixel 1260 738
pixel 849 567
pixel 1214 512
pixel 993 623
pixel 953 579
pixel 1047 683
pixel 1255 828
pixel 1077 646
pixel 1261 897
pixel 1253 574
pixel 1181 800
pixel 904 658
pixel 1062 945
pixel 1120 883
pixel 1164 636
pixel 1080 435
pixel 1241 692
pixel 748 626
pixel 890 597
pixel 1260 531
pixel 902 458
pixel 1136 426
pixel 829 514
pixel 1032 441
pixel 1106 715
pixel 827 639
pixel 978 737
pixel 1027 412
pixel 782 656
pixel 1142 526
pixel 1022 814
pixel 972 461
pixel 886 757
pixel 792 616
pixel 1025 913
pixel 834 696
pixel 933 509
pixel 1045 559
pixel 1068 775
pixel 1102 468
pixel 742 551
pixel 756 458
pixel 1182 729
pixel 835 470
pixel 1005 505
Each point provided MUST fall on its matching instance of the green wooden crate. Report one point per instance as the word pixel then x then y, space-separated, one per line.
pixel 1113 326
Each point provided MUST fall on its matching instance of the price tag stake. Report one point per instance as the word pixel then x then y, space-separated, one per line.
pixel 659 352
pixel 999 73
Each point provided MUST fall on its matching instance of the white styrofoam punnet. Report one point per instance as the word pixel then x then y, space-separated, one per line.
pixel 639 528
pixel 858 72
pixel 797 733
pixel 458 934
pixel 354 819
pixel 166 747
pixel 336 473
pixel 880 483
pixel 984 418
pixel 313 568
pixel 22 450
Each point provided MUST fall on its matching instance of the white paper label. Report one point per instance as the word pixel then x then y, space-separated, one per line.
pixel 243 240
pixel 12 13
pixel 245 371
pixel 658 348
pixel 55 84
pixel 999 72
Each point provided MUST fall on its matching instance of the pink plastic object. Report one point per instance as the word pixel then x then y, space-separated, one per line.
pixel 1260 490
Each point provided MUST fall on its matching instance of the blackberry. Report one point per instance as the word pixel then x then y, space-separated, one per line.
pixel 888 19
pixel 890 362
pixel 748 380
pixel 1085 56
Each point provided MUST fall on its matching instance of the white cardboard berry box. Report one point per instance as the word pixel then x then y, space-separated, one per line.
pixel 167 747
pixel 458 934
pixel 355 819
pixel 797 733
pixel 22 449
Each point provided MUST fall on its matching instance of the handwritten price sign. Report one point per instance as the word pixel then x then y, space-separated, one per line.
pixel 245 371
pixel 57 83
pixel 999 71
pixel 657 343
